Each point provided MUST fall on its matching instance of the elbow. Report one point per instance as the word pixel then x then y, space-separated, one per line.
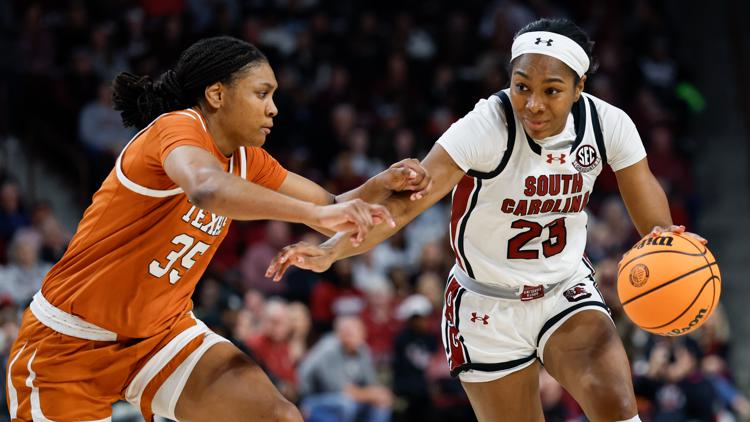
pixel 204 192
pixel 202 198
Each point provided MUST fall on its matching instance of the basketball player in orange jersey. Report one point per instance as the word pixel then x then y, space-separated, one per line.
pixel 112 320
pixel 522 165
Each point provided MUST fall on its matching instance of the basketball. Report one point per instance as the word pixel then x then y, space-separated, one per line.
pixel 668 285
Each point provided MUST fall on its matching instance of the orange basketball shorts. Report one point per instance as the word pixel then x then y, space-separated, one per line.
pixel 62 368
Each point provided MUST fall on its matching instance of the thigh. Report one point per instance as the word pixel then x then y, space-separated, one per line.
pixel 515 397
pixel 227 385
pixel 586 356
pixel 487 338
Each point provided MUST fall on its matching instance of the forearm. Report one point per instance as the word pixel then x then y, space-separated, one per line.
pixel 372 190
pixel 233 197
pixel 403 211
pixel 646 212
pixel 644 197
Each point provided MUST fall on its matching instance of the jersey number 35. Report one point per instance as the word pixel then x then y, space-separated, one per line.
pixel 186 252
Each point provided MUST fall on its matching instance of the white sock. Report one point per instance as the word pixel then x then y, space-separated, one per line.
pixel 635 418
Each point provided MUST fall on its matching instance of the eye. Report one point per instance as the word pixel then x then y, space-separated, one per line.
pixel 262 94
pixel 521 87
pixel 552 91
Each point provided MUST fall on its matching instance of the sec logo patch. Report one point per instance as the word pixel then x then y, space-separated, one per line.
pixel 586 159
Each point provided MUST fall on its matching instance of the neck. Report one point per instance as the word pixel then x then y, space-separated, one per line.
pixel 220 137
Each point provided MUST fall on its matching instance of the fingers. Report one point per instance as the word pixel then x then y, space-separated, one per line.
pixel 696 237
pixel 356 218
pixel 421 193
pixel 658 230
pixel 381 214
pixel 367 216
pixel 411 176
pixel 299 254
pixel 362 219
pixel 678 230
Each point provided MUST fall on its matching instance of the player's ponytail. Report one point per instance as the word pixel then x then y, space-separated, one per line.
pixel 141 99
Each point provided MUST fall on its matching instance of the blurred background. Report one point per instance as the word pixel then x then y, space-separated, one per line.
pixel 362 85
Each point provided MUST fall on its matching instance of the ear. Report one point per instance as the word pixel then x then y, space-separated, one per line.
pixel 215 95
pixel 580 85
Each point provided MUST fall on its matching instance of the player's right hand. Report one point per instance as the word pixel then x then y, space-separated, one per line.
pixel 678 230
pixel 356 217
pixel 304 255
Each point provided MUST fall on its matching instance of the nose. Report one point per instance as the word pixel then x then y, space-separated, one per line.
pixel 534 103
pixel 271 109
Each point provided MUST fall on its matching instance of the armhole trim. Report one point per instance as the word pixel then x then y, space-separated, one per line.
pixel 135 187
pixel 598 135
pixel 511 123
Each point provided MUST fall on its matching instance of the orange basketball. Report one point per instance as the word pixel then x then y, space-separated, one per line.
pixel 668 285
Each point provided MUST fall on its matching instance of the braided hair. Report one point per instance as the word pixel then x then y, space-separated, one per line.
pixel 140 100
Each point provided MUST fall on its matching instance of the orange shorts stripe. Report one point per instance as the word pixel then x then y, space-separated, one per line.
pixel 150 391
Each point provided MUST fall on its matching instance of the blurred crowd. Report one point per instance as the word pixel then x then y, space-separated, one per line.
pixel 361 85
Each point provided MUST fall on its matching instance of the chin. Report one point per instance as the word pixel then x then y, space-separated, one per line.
pixel 258 142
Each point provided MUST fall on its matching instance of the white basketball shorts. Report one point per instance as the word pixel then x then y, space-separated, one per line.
pixel 486 337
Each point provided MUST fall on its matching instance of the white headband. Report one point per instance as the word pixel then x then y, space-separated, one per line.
pixel 554 45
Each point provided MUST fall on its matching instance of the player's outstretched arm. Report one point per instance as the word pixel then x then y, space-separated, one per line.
pixel 445 175
pixel 406 175
pixel 646 201
pixel 209 187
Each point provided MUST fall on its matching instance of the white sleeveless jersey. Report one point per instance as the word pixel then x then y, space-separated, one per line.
pixel 518 216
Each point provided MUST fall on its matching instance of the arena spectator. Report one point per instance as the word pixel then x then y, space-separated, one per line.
pixel 348 390
pixel 272 346
pixel 413 349
pixel 23 275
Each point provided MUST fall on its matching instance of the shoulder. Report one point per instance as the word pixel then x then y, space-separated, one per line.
pixel 489 110
pixel 325 348
pixel 608 113
pixel 187 119
pixel 485 121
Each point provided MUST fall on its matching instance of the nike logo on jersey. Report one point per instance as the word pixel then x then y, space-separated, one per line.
pixel 205 221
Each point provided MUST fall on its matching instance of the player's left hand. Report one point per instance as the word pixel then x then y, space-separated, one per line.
pixel 304 255
pixel 678 230
pixel 407 175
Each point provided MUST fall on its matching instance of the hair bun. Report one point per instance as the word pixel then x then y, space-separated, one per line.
pixel 140 100
pixel 171 85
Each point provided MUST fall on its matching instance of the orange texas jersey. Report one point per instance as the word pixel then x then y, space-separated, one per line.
pixel 141 246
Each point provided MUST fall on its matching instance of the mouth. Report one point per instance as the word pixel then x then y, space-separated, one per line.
pixel 266 129
pixel 535 125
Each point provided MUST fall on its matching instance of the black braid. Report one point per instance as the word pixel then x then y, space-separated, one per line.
pixel 140 100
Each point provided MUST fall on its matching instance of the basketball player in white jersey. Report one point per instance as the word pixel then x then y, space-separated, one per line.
pixel 522 165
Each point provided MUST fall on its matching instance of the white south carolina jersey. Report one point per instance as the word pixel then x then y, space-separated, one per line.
pixel 518 214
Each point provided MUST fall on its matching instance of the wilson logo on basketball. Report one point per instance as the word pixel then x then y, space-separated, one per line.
pixel 696 320
pixel 639 275
pixel 656 241
pixel 586 159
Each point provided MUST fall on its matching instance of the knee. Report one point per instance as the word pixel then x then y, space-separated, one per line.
pixel 284 411
pixel 611 401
